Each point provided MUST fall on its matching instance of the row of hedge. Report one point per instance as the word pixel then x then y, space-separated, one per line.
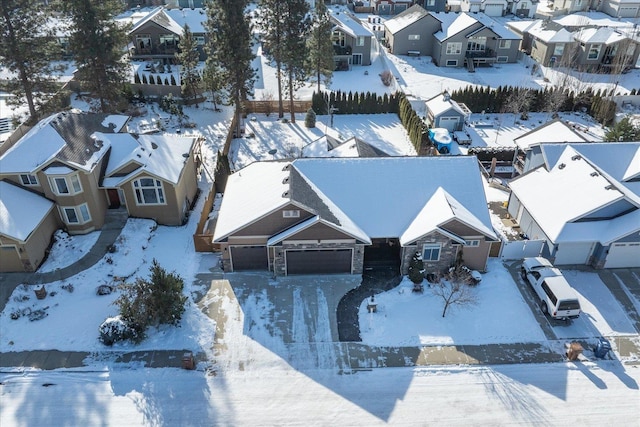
pixel 154 81
pixel 354 103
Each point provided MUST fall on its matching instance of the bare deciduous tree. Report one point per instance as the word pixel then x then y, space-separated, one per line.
pixel 454 290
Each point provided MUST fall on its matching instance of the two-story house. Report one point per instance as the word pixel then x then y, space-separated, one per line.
pixel 75 166
pixel 351 41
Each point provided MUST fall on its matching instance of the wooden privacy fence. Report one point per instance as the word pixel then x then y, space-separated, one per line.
pixel 203 237
pixel 271 107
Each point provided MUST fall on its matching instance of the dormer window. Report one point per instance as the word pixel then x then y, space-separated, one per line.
pixel 291 213
pixel 28 179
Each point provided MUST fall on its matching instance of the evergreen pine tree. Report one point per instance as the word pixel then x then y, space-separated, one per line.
pixel 188 58
pixel 271 24
pixel 416 269
pixel 27 49
pixel 296 24
pixel 319 61
pixel 98 42
pixel 229 43
pixel 310 118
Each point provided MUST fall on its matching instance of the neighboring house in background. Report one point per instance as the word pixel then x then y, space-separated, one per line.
pixel 488 7
pixel 471 40
pixel 583 201
pixel 351 41
pixel 324 215
pixel 580 42
pixel 86 163
pixel 389 7
pixel 156 36
pixel 437 5
pixel 522 8
pixel 621 8
pixel 528 146
pixel 444 112
pixel 410 31
pixel 451 39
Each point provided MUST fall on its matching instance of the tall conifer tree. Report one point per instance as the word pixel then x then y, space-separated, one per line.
pixel 27 49
pixel 98 46
pixel 320 60
pixel 188 57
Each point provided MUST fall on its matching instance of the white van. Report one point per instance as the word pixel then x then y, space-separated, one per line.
pixel 557 298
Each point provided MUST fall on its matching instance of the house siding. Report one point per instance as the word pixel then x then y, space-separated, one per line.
pixel 273 223
pixel 32 252
pixel 400 43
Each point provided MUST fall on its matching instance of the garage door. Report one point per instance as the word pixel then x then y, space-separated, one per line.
pixel 10 259
pixel 573 253
pixel 493 10
pixel 449 123
pixel 249 258
pixel 623 255
pixel 319 261
pixel 627 12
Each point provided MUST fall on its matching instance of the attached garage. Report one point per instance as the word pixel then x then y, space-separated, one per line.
pixel 573 253
pixel 10 259
pixel 328 261
pixel 623 255
pixel 449 123
pixel 494 10
pixel 249 258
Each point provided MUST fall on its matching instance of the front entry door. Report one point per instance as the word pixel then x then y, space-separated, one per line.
pixel 114 198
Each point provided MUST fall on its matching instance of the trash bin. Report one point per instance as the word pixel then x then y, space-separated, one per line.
pixel 575 350
pixel 602 348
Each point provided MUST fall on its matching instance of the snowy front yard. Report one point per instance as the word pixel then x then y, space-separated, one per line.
pixel 406 318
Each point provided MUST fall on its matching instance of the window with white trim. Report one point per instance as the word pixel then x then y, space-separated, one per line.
pixel 76 214
pixel 414 36
pixel 199 40
pixel 360 41
pixel 472 243
pixel 504 44
pixel 28 179
pixel 292 213
pixel 149 191
pixel 477 44
pixel 431 2
pixel 431 252
pixel 558 50
pixel 594 51
pixel 65 185
pixel 454 48
pixel 452 63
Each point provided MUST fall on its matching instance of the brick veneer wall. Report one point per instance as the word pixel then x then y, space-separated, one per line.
pixel 358 254
pixel 448 253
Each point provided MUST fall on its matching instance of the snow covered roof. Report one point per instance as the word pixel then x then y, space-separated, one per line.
pixel 454 23
pixel 349 24
pixel 593 19
pixel 379 196
pixel 406 18
pixel 160 17
pixel 65 137
pixel 162 156
pixel 546 31
pixel 21 211
pixel 352 147
pixel 442 103
pixel 195 18
pixel 554 131
pixel 438 210
pixel 599 35
pixel 564 191
pixel 619 160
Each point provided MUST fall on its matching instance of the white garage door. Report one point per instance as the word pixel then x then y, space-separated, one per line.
pixel 449 123
pixel 493 10
pixel 627 12
pixel 573 253
pixel 623 255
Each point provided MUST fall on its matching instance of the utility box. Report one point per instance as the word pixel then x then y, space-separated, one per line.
pixel 188 362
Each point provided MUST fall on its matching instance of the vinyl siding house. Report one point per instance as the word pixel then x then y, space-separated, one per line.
pixel 86 163
pixel 333 216
pixel 351 41
pixel 471 40
pixel 27 222
pixel 156 36
pixel 621 8
pixel 547 42
pixel 435 5
pixel 488 7
pixel 522 8
pixel 411 31
pixel 390 7
pixel 583 201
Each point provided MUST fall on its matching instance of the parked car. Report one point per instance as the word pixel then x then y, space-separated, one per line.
pixel 557 298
